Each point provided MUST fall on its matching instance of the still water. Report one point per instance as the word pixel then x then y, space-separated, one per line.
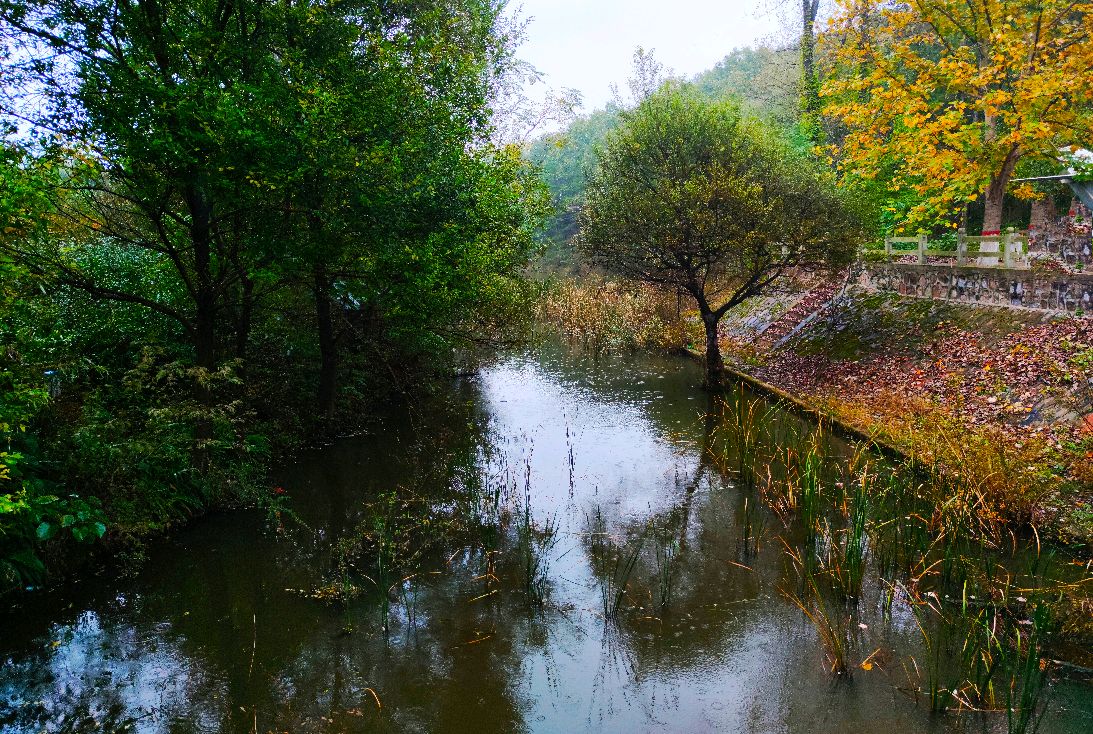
pixel 221 631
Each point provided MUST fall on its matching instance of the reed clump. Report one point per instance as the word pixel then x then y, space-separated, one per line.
pixel 828 615
pixel 613 563
pixel 936 545
pixel 739 425
pixel 986 656
pixel 608 315
pixel 536 542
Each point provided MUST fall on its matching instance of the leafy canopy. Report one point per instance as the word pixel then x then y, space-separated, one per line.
pixel 690 194
pixel 944 98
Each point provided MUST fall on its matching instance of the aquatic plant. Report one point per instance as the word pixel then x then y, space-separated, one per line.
pixel 900 532
pixel 752 526
pixel 983 654
pixel 738 421
pixel 1028 674
pixel 383 538
pixel 922 607
pixel 842 553
pixel 613 563
pixel 830 618
pixel 666 550
pixel 536 543
pixel 856 538
pixel 796 469
pixel 811 493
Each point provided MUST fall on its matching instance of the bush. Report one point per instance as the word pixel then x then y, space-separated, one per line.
pixel 29 514
pixel 137 444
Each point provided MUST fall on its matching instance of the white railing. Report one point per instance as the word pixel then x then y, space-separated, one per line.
pixel 1006 250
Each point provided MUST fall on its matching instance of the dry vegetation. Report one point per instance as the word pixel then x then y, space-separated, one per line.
pixel 608 315
pixel 992 398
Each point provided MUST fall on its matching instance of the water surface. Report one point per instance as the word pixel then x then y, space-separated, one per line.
pixel 220 632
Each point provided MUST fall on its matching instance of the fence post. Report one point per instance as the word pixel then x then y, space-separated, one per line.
pixel 888 248
pixel 1007 248
pixel 922 242
pixel 961 247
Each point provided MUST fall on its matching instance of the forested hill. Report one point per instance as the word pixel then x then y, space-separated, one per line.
pixel 764 80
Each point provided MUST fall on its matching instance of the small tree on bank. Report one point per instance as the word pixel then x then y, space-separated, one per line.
pixel 690 196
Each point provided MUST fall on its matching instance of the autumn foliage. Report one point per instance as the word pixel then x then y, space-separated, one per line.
pixel 942 100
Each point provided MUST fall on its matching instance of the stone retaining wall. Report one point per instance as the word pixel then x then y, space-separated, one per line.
pixel 1031 289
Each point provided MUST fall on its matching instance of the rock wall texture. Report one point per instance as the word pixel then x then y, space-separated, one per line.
pixel 1044 291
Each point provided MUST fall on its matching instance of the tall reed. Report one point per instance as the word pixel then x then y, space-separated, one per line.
pixel 1028 679
pixel 856 538
pixel 828 617
pixel 614 564
pixel 811 494
pixel 536 543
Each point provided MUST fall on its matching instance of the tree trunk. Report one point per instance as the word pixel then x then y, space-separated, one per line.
pixel 244 317
pixel 205 353
pixel 992 213
pixel 328 353
pixel 996 194
pixel 810 84
pixel 715 365
pixel 204 318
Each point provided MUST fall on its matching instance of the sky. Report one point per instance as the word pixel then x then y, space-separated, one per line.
pixel 588 44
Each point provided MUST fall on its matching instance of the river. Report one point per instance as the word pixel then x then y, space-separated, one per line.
pixel 221 630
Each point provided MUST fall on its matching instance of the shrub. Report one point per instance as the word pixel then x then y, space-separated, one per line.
pixel 30 514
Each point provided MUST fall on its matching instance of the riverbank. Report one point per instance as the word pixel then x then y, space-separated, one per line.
pixel 1000 398
pixel 997 399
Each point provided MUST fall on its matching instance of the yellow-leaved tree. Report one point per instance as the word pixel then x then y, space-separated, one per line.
pixel 945 97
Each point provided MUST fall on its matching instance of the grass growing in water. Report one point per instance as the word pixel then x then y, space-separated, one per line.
pixel 850 569
pixel 1029 674
pixel 739 420
pixel 752 526
pixel 536 543
pixel 666 550
pixel 612 563
pixel 830 618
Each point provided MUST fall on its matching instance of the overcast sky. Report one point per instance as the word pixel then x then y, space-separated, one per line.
pixel 588 44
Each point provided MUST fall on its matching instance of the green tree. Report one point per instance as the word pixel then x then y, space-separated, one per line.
pixel 563 159
pixel 763 79
pixel 690 196
pixel 402 207
pixel 210 200
pixel 163 115
pixel 244 151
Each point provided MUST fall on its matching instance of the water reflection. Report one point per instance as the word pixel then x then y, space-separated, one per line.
pixel 631 480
